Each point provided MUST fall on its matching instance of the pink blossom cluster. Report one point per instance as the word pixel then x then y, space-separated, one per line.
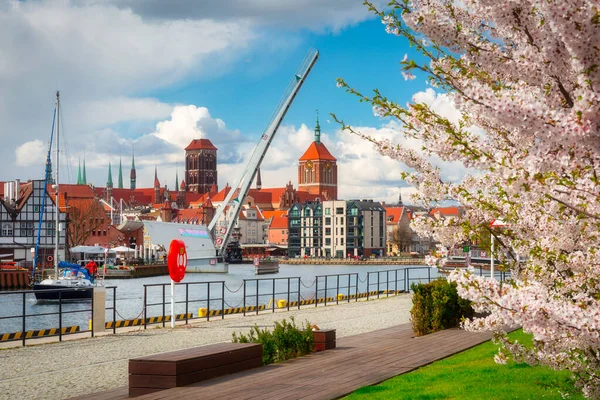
pixel 527 73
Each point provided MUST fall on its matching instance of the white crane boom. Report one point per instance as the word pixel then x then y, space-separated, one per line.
pixel 260 150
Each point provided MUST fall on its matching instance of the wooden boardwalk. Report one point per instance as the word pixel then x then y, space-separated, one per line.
pixel 358 361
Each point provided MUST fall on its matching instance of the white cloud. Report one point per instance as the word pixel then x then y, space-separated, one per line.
pixel 101 58
pixel 30 153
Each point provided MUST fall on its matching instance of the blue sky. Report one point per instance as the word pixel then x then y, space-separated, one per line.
pixel 152 75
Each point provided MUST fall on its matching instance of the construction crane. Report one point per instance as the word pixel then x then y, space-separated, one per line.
pixel 241 190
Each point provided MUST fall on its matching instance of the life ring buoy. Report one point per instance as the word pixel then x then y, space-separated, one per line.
pixel 50 258
pixel 177 260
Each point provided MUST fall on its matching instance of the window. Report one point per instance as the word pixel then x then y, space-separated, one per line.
pixel 327 220
pixel 328 241
pixel 342 241
pixel 354 211
pixel 341 220
pixel 328 231
pixel 93 233
pixel 342 232
pixel 7 229
pixel 307 212
pixel 339 210
pixel 283 232
pixel 328 211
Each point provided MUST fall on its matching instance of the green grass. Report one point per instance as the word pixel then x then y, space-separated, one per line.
pixel 473 374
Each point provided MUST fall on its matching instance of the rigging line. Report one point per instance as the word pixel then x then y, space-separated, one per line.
pixel 44 191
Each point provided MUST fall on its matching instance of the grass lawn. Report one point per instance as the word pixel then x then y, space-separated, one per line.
pixel 473 374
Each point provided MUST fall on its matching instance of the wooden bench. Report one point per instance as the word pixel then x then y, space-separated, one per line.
pixel 183 367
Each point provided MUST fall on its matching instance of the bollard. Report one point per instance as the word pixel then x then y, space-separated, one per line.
pixel 340 297
pixel 99 313
pixel 281 303
pixel 202 312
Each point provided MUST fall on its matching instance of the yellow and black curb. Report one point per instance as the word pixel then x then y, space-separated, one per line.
pixel 6 337
pixel 140 321
pixel 203 312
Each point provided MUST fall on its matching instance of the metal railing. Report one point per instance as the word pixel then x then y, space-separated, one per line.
pixel 209 300
pixel 253 295
pixel 27 313
pixel 349 285
pixel 252 291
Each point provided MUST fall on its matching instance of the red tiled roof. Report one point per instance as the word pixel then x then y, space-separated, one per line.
pixel 260 196
pixel 395 213
pixel 445 211
pixel 271 214
pixel 201 144
pixel 190 215
pixel 76 191
pixel 317 151
pixel 279 222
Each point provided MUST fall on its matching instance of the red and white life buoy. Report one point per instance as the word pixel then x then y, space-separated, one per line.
pixel 177 260
pixel 50 258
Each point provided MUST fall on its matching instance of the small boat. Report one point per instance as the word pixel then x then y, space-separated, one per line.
pixel 72 276
pixel 265 266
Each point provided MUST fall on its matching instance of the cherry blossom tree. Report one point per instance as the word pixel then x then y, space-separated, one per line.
pixel 525 77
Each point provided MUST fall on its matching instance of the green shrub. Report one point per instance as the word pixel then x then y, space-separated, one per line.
pixel 437 306
pixel 284 342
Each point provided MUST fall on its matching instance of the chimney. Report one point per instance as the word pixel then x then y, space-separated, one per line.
pixel 17 189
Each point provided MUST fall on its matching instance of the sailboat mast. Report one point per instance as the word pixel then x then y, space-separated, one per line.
pixel 57 222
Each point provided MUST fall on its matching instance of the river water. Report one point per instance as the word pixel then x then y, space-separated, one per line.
pixel 302 284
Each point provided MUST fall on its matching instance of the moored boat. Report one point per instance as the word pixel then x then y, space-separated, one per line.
pixel 266 266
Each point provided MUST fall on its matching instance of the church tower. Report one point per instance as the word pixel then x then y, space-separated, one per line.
pixel 317 169
pixel 120 174
pixel 132 173
pixel 109 184
pixel 200 166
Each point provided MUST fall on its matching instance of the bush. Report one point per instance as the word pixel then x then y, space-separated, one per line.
pixel 437 306
pixel 284 342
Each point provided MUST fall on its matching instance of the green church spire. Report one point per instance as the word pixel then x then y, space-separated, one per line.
pixel 317 130
pixel 84 179
pixel 120 174
pixel 132 173
pixel 109 182
pixel 79 181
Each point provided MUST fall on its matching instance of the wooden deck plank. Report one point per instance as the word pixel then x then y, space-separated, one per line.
pixel 358 361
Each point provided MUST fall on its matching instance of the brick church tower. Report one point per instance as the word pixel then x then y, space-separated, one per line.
pixel 200 166
pixel 317 169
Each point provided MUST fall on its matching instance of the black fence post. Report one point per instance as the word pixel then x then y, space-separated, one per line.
pixel 288 294
pixel 92 290
pixel 222 300
pixel 114 310
pixel 387 283
pixel 187 287
pixel 299 296
pixel 348 294
pixel 257 284
pixel 337 297
pixel 208 301
pixel 163 305
pixel 356 289
pixel 316 291
pixel 273 295
pixel 368 284
pixel 428 274
pixel 24 317
pixel 145 305
pixel 378 283
pixel 244 297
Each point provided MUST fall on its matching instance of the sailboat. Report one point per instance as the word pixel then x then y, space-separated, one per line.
pixel 73 277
